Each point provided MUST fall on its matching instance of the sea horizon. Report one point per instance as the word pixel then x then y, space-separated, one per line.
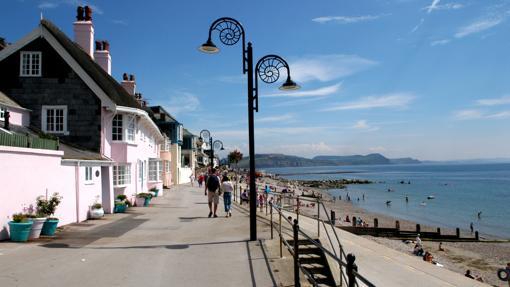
pixel 459 191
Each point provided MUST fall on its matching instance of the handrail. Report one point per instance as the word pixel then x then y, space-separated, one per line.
pixel 333 254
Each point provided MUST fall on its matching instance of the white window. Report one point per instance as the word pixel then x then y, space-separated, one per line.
pixel 121 175
pixel 30 65
pixel 131 129
pixel 167 144
pixel 2 114
pixel 167 166
pixel 54 119
pixel 88 174
pixel 117 128
pixel 154 170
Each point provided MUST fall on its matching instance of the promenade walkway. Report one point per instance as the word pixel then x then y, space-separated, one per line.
pixel 171 243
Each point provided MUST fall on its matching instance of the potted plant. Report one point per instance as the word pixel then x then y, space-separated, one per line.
pixel 46 207
pixel 143 199
pixel 96 211
pixel 155 191
pixel 37 219
pixel 19 227
pixel 121 204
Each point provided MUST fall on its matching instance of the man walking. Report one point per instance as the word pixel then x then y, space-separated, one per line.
pixel 212 186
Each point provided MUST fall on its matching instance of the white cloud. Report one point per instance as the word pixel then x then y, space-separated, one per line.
pixel 468 114
pixel 394 100
pixel 47 5
pixel 320 92
pixel 346 19
pixel 505 100
pixel 499 115
pixel 440 42
pixel 479 26
pixel 120 22
pixel 418 25
pixel 328 67
pixel 448 6
pixel 280 118
pixel 181 103
pixel 364 126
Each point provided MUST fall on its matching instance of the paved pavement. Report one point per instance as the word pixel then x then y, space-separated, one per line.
pixel 171 243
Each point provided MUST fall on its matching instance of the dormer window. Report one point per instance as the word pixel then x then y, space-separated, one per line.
pixel 30 64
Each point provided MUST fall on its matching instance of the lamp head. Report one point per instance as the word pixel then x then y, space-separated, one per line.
pixel 222 148
pixel 209 47
pixel 289 85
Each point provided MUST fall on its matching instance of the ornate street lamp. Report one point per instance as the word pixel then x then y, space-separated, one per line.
pixel 216 145
pixel 268 69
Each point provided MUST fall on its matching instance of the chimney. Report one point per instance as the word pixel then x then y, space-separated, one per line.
pixel 129 84
pixel 84 30
pixel 102 56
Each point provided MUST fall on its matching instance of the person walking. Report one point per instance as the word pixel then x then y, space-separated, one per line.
pixel 200 180
pixel 192 179
pixel 227 188
pixel 212 186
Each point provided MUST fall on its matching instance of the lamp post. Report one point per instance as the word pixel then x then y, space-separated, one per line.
pixel 268 69
pixel 217 144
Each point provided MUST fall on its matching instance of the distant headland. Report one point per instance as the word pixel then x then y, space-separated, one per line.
pixel 282 160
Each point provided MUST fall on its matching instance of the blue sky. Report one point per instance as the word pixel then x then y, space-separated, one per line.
pixel 423 78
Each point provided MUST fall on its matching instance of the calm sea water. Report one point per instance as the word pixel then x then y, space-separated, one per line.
pixel 460 191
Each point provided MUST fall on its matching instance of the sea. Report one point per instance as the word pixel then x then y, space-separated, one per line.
pixel 440 195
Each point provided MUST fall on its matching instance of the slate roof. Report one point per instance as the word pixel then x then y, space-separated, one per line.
pixel 6 101
pixel 160 109
pixel 106 82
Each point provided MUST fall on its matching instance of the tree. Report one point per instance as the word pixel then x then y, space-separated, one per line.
pixel 235 156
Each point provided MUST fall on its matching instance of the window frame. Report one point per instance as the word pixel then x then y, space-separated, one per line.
pixel 89 175
pixel 157 169
pixel 30 63
pixel 116 129
pixel 167 166
pixel 121 179
pixel 44 119
pixel 130 126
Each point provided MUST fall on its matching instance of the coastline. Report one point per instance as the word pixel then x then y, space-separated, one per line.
pixel 483 258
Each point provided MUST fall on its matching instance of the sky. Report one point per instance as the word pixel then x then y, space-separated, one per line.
pixel 428 79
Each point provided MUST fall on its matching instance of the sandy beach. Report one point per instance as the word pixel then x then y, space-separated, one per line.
pixel 483 258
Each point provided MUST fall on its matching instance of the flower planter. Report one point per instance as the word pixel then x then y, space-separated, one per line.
pixel 49 227
pixel 96 213
pixel 147 201
pixel 154 192
pixel 140 201
pixel 19 231
pixel 120 208
pixel 36 227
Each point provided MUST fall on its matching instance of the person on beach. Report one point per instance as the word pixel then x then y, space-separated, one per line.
pixel 227 188
pixel 418 239
pixel 471 227
pixel 479 215
pixel 468 275
pixel 441 246
pixel 212 186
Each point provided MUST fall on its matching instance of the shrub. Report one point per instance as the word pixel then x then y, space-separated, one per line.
pixel 19 217
pixel 120 203
pixel 144 195
pixel 121 197
pixel 47 207
pixel 96 206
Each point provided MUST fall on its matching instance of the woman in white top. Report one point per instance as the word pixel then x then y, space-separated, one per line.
pixel 227 188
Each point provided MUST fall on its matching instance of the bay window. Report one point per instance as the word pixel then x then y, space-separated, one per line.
pixel 123 128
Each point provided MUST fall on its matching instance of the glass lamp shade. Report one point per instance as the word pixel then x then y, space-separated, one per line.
pixel 209 47
pixel 289 85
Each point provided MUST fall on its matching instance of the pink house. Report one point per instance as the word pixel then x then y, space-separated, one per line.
pixel 109 144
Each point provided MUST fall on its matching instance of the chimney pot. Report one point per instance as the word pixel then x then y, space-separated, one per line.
pixel 124 77
pixel 88 13
pixel 132 78
pixel 79 13
pixel 106 45
pixel 99 46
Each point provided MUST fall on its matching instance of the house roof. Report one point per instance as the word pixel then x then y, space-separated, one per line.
pixel 106 82
pixel 160 109
pixel 6 101
pixel 188 133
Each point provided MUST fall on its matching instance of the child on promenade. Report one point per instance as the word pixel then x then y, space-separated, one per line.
pixel 227 188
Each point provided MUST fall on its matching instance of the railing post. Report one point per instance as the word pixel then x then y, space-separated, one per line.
pixel 418 228
pixel 265 199
pixel 351 267
pixel 280 230
pixel 318 219
pixel 297 283
pixel 298 204
pixel 354 221
pixel 457 232
pixel 477 237
pixel 333 218
pixel 271 211
pixel 341 267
